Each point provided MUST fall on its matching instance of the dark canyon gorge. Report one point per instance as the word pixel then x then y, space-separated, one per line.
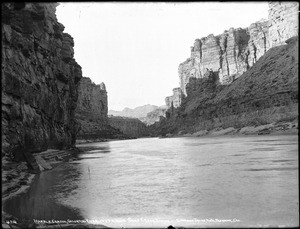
pixel 237 81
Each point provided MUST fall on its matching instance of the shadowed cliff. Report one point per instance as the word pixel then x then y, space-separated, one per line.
pixel 39 80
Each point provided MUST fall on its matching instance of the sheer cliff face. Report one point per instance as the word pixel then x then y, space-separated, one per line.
pixel 230 54
pixel 39 79
pixel 283 19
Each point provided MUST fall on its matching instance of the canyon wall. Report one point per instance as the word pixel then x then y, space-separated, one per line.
pixel 132 127
pixel 266 93
pixel 241 77
pixel 91 112
pixel 233 52
pixel 39 80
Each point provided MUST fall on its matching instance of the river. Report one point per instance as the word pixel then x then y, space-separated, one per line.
pixel 229 181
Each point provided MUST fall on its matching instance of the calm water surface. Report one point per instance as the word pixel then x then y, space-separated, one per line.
pixel 153 182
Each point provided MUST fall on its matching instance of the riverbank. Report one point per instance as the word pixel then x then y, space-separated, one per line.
pixel 84 141
pixel 279 128
pixel 18 178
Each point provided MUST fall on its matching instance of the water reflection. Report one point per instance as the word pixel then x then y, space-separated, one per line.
pixel 40 203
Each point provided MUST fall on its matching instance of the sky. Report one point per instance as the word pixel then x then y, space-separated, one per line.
pixel 136 48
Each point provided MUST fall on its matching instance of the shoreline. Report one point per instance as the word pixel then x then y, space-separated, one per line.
pixel 233 135
pixel 84 141
pixel 282 128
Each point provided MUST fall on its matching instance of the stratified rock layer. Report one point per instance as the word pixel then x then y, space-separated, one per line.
pixel 39 80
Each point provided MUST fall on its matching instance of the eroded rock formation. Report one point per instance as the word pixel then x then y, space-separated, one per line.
pixel 39 80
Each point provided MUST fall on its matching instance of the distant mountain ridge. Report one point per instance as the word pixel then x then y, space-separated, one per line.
pixel 148 114
pixel 138 112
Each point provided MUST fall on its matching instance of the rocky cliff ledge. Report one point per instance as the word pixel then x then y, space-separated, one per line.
pixel 91 112
pixel 39 80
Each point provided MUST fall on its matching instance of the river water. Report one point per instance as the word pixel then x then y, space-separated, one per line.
pixel 229 181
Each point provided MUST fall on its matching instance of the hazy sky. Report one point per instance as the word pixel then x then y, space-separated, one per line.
pixel 136 48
